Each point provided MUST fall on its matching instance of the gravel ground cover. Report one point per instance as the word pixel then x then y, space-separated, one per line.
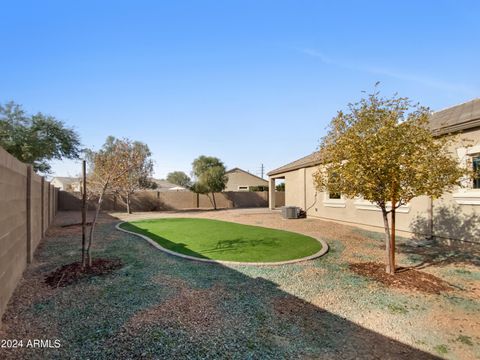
pixel 157 306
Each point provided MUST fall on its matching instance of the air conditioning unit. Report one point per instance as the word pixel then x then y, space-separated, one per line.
pixel 290 212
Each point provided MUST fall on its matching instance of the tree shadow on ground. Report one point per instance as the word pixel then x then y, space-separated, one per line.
pixel 166 307
pixel 287 325
pixel 456 238
pixel 166 243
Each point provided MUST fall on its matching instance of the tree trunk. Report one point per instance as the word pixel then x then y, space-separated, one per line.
pixel 214 201
pixel 391 255
pixel 387 238
pixel 92 228
pixel 129 211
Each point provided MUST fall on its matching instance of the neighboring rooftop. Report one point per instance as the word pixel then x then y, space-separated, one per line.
pixel 66 180
pixel 244 171
pixel 453 119
pixel 163 184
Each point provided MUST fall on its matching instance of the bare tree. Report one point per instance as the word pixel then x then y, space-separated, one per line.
pixel 108 167
pixel 139 174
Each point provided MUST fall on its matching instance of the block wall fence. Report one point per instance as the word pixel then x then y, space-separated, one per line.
pixel 28 205
pixel 172 200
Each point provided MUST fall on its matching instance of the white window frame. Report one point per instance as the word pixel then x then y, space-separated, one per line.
pixel 239 188
pixel 467 195
pixel 362 204
pixel 336 203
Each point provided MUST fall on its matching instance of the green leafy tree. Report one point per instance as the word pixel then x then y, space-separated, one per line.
pixel 280 187
pixel 36 139
pixel 210 176
pixel 382 150
pixel 179 178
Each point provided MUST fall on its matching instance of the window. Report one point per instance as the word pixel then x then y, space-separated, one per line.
pixel 243 188
pixel 333 200
pixel 476 168
pixel 334 196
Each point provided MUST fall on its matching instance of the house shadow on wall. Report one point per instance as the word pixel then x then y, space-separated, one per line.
pixel 456 237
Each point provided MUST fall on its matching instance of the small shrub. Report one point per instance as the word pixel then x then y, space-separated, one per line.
pixel 397 309
pixel 441 349
pixel 467 340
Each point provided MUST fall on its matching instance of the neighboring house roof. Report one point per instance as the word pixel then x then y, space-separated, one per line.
pixel 246 172
pixel 163 184
pixel 66 180
pixel 453 119
pixel 456 118
pixel 177 188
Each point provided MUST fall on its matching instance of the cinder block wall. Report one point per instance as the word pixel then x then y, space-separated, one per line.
pixel 174 200
pixel 24 218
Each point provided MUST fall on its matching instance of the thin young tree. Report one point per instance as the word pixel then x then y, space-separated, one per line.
pixel 383 151
pixel 107 168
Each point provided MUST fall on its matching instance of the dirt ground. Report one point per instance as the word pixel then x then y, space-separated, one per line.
pixel 159 306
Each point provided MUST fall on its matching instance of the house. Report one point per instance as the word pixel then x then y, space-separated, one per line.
pixel 72 184
pixel 241 180
pixel 455 215
pixel 164 185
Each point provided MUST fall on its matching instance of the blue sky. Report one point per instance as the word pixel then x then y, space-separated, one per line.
pixel 250 82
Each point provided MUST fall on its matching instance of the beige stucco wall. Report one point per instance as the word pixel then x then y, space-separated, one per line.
pixel 295 188
pixel 239 178
pixel 451 219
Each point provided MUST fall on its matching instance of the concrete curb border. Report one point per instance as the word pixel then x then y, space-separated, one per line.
pixel 322 252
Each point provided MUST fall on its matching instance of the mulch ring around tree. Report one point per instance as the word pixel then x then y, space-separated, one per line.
pixel 405 278
pixel 71 273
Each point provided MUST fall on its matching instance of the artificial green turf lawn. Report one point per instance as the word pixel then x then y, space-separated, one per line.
pixel 221 240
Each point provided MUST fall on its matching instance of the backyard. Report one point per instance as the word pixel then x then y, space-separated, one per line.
pixel 157 306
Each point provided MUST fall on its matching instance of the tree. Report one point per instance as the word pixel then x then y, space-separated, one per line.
pixel 280 187
pixel 210 175
pixel 36 139
pixel 179 178
pixel 383 151
pixel 107 168
pixel 140 170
